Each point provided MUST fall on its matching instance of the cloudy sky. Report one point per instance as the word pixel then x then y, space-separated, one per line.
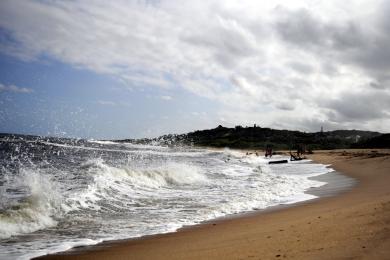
pixel 114 69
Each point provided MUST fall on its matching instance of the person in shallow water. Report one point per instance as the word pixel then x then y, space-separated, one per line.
pixel 268 151
pixel 294 157
pixel 299 154
pixel 300 151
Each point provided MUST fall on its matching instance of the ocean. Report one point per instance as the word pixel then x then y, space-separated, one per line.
pixel 56 193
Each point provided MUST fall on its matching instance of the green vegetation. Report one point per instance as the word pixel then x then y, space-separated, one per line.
pixel 258 138
pixel 381 141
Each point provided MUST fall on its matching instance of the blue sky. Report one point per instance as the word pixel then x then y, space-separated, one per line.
pixel 102 69
pixel 67 101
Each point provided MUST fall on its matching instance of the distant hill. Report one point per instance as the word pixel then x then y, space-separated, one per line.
pixel 258 138
pixel 381 141
pixel 250 138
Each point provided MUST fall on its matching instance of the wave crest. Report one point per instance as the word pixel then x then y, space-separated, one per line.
pixel 34 211
pixel 119 183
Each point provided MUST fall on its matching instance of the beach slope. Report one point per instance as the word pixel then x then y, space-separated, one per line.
pixel 352 225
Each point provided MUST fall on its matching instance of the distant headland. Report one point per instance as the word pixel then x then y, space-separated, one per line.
pixel 256 137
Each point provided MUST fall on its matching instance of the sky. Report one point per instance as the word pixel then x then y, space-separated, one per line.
pixel 132 69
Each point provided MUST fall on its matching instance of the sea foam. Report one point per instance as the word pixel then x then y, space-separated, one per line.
pixel 33 211
pixel 76 193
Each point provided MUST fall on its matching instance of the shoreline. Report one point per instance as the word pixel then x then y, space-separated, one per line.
pixel 307 229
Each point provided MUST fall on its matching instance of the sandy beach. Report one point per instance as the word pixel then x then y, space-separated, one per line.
pixel 351 225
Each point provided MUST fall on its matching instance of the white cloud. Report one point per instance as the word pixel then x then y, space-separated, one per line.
pixel 277 63
pixel 167 98
pixel 15 89
pixel 106 103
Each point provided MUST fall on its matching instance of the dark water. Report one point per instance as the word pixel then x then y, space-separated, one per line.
pixel 60 193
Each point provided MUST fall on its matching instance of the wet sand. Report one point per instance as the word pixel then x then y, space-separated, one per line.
pixel 352 225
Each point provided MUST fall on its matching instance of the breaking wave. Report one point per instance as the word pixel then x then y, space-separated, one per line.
pixel 56 194
pixel 114 184
pixel 32 211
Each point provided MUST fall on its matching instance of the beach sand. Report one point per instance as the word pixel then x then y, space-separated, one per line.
pixel 351 225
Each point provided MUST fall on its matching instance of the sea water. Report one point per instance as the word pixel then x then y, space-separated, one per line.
pixel 56 194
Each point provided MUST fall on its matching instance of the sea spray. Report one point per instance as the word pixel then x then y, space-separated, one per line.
pixel 34 209
pixel 59 193
pixel 115 184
